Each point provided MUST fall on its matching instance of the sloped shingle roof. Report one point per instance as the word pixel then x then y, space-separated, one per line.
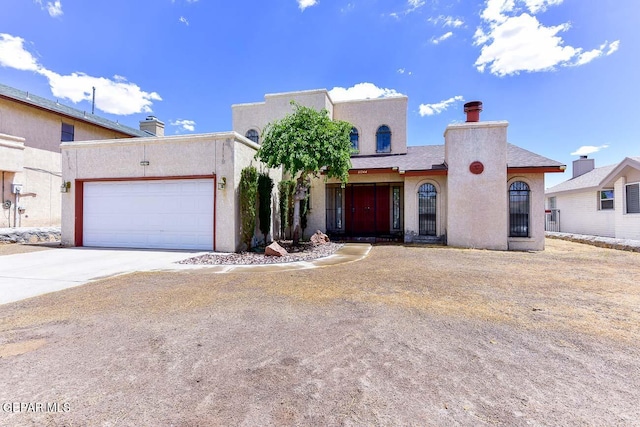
pixel 587 180
pixel 431 157
pixel 56 107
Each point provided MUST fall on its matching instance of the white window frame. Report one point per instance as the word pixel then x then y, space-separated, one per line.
pixel 626 210
pixel 612 199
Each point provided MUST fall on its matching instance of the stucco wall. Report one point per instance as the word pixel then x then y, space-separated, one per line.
pixel 42 129
pixel 275 107
pixel 579 214
pixel 369 114
pixel 477 209
pixel 411 187
pixel 178 156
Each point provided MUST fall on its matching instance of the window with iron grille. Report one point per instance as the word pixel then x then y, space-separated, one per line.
pixel 66 133
pixel 383 139
pixel 253 135
pixel 427 196
pixel 606 199
pixel 354 136
pixel 519 195
pixel 633 197
pixel 396 208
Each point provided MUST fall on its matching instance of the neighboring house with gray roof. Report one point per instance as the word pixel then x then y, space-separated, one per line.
pixel 31 130
pixel 476 190
pixel 602 201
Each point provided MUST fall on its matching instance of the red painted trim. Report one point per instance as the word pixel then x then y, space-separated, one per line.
pixel 79 222
pixel 428 172
pixel 215 205
pixel 79 212
pixel 543 169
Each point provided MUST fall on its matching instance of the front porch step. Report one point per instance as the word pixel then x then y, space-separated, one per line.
pixel 428 240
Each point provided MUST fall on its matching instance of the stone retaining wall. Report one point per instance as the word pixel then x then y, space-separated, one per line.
pixel 603 242
pixel 29 235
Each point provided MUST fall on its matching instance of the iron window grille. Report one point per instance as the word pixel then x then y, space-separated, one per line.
pixel 253 135
pixel 519 204
pixel 427 197
pixel 354 137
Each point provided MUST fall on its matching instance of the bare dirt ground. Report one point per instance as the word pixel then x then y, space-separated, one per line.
pixel 14 248
pixel 408 336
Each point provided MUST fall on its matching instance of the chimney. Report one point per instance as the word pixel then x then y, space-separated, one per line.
pixel 152 125
pixel 473 109
pixel 582 166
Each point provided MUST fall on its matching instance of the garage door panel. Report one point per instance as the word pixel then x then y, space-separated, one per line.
pixel 174 214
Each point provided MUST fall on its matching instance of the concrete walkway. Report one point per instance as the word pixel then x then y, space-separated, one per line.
pixel 26 275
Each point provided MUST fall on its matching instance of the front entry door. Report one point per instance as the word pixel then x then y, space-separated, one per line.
pixel 367 210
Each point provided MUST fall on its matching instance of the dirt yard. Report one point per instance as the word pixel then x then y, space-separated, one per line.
pixel 408 336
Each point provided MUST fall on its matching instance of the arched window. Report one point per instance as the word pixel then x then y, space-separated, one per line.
pixel 519 209
pixel 354 136
pixel 253 135
pixel 427 196
pixel 383 139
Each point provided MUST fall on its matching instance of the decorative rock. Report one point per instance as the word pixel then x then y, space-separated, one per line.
pixel 319 238
pixel 274 249
pixel 29 235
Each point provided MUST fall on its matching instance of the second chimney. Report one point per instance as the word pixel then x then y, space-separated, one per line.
pixel 152 125
pixel 582 166
pixel 473 109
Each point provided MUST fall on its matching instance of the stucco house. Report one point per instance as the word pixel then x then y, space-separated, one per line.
pixel 31 130
pixel 603 201
pixel 476 190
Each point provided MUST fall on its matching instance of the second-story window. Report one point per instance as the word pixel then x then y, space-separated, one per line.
pixel 354 136
pixel 383 139
pixel 253 135
pixel 67 133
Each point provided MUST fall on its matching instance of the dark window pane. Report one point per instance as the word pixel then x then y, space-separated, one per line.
pixel 67 133
pixel 383 139
pixel 253 135
pixel 354 137
pixel 633 198
pixel 519 209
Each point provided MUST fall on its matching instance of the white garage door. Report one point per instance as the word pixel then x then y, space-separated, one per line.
pixel 171 214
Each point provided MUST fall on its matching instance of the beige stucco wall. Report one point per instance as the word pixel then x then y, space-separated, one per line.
pixel 42 129
pixel 411 187
pixel 275 107
pixel 222 154
pixel 369 114
pixel 535 241
pixel 11 153
pixel 477 209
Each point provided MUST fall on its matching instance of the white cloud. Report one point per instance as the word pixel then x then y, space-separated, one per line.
pixel 54 9
pixel 442 38
pixel 432 109
pixel 447 21
pixel 415 4
pixel 512 42
pixel 361 91
pixel 115 96
pixel 303 4
pixel 14 55
pixel 188 125
pixel 184 20
pixel 588 149
pixel 613 47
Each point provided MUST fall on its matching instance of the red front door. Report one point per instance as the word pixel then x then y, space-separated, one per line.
pixel 367 210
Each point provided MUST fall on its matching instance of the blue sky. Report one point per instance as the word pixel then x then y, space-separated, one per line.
pixel 564 73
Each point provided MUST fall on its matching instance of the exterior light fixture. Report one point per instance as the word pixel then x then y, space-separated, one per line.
pixel 222 183
pixel 65 187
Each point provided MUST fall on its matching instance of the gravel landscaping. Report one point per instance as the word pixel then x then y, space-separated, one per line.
pixel 305 251
pixel 407 336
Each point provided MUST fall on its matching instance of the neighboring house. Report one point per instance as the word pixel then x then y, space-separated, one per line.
pixel 476 190
pixel 31 130
pixel 602 201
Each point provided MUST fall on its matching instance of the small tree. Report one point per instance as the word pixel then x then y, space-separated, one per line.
pixel 283 192
pixel 248 192
pixel 265 187
pixel 304 143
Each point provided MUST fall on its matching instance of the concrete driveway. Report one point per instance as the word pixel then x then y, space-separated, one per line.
pixel 30 274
